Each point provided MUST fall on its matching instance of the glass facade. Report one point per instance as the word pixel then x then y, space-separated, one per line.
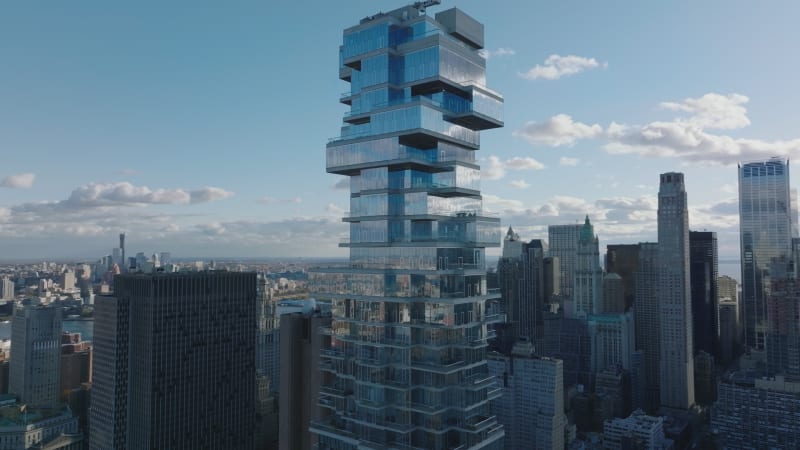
pixel 409 332
pixel 766 218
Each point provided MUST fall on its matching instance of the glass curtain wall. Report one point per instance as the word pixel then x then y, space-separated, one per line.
pixel 407 368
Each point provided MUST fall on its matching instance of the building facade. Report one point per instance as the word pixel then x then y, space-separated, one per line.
pixel 648 325
pixel 674 294
pixel 638 431
pixel 613 340
pixel 532 406
pixel 623 260
pixel 563 241
pixel 756 412
pixel 301 344
pixel 766 215
pixel 704 268
pixel 587 295
pixel 185 375
pixel 409 326
pixel 35 366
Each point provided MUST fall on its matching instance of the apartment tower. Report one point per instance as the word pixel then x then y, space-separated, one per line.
pixel 409 325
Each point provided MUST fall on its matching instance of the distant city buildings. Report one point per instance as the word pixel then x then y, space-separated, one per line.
pixel 638 431
pixel 563 240
pixel 587 297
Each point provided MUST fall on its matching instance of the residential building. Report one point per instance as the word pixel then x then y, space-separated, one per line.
pixel 704 276
pixel 766 217
pixel 7 288
pixel 532 406
pixel 179 372
pixel 674 295
pixel 409 325
pixel 35 366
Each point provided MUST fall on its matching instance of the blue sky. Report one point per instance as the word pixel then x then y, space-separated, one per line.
pixel 200 127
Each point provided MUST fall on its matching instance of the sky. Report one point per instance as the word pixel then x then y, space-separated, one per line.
pixel 200 127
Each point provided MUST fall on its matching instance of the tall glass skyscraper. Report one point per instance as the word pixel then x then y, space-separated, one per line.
pixel 766 217
pixel 409 329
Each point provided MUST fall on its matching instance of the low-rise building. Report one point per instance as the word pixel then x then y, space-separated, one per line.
pixel 638 431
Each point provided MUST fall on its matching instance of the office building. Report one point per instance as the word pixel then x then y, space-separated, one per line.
pixel 563 240
pixel 613 341
pixel 35 366
pixel 623 260
pixel 175 362
pixel 753 411
pixel 766 215
pixel 570 341
pixel 303 337
pixel 587 295
pixel 783 328
pixel 521 273
pixel 613 294
pixel 729 330
pixel 703 272
pixel 705 378
pixel 532 406
pixel 638 431
pixel 612 386
pixel 6 289
pixel 647 324
pixel 409 320
pixel 674 294
pixel 728 287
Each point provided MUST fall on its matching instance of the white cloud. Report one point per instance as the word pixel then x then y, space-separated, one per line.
pixel 557 131
pixel 502 51
pixel 557 66
pixel 567 161
pixel 18 181
pixel 494 170
pixel 267 200
pixel 523 163
pixel 685 137
pixel 334 210
pixel 520 184
pixel 342 184
pixel 208 194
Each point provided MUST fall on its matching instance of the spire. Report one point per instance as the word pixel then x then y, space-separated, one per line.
pixel 511 236
pixel 587 231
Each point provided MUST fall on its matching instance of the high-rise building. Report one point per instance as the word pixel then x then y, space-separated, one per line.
pixel 729 330
pixel 563 240
pixel 532 406
pixel 409 324
pixel 623 260
pixel 35 366
pixel 68 283
pixel 754 411
pixel 7 289
pixel 766 217
pixel 613 294
pixel 301 344
pixel 175 362
pixel 521 274
pixel 76 363
pixel 728 287
pixel 569 340
pixel 705 378
pixel 674 294
pixel 647 324
pixel 703 270
pixel 783 328
pixel 588 285
pixel 612 337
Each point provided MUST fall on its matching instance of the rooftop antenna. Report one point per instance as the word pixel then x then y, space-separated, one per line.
pixel 420 6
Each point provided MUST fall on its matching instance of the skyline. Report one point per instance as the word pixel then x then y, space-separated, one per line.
pixel 114 117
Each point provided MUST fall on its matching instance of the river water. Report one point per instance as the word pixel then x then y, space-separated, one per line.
pixel 84 327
